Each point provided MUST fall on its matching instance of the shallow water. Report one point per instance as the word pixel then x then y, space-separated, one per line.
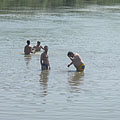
pixel 26 92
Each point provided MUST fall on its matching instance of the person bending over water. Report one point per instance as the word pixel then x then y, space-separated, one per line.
pixel 45 65
pixel 38 47
pixel 27 48
pixel 76 61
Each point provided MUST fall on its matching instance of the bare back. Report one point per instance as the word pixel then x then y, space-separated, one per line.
pixel 27 49
pixel 77 61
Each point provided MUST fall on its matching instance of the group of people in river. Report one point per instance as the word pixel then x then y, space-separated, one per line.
pixel 75 58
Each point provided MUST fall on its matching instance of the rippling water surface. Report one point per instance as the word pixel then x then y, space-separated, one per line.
pixel 27 93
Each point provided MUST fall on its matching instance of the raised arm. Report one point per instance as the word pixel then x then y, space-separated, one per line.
pixel 42 47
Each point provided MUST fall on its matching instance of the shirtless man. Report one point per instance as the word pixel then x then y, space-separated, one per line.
pixel 76 61
pixel 44 59
pixel 27 48
pixel 38 47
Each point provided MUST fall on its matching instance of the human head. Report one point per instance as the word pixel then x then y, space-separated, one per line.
pixel 38 42
pixel 70 54
pixel 46 48
pixel 28 42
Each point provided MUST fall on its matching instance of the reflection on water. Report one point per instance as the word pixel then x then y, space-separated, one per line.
pixel 44 81
pixel 27 59
pixel 75 79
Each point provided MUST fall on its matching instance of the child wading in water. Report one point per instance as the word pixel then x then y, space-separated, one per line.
pixel 76 61
pixel 45 65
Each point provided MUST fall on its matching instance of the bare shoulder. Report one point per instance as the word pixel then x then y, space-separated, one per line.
pixel 25 46
pixel 42 54
pixel 77 54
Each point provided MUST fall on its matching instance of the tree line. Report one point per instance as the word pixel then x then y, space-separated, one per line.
pixel 10 4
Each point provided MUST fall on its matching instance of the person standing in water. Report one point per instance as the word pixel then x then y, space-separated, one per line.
pixel 76 61
pixel 45 65
pixel 38 47
pixel 27 48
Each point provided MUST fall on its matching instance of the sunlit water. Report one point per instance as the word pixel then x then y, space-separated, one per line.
pixel 27 93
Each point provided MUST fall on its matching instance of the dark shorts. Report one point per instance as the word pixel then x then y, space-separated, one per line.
pixel 45 66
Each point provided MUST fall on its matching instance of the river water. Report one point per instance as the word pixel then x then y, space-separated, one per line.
pixel 27 93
